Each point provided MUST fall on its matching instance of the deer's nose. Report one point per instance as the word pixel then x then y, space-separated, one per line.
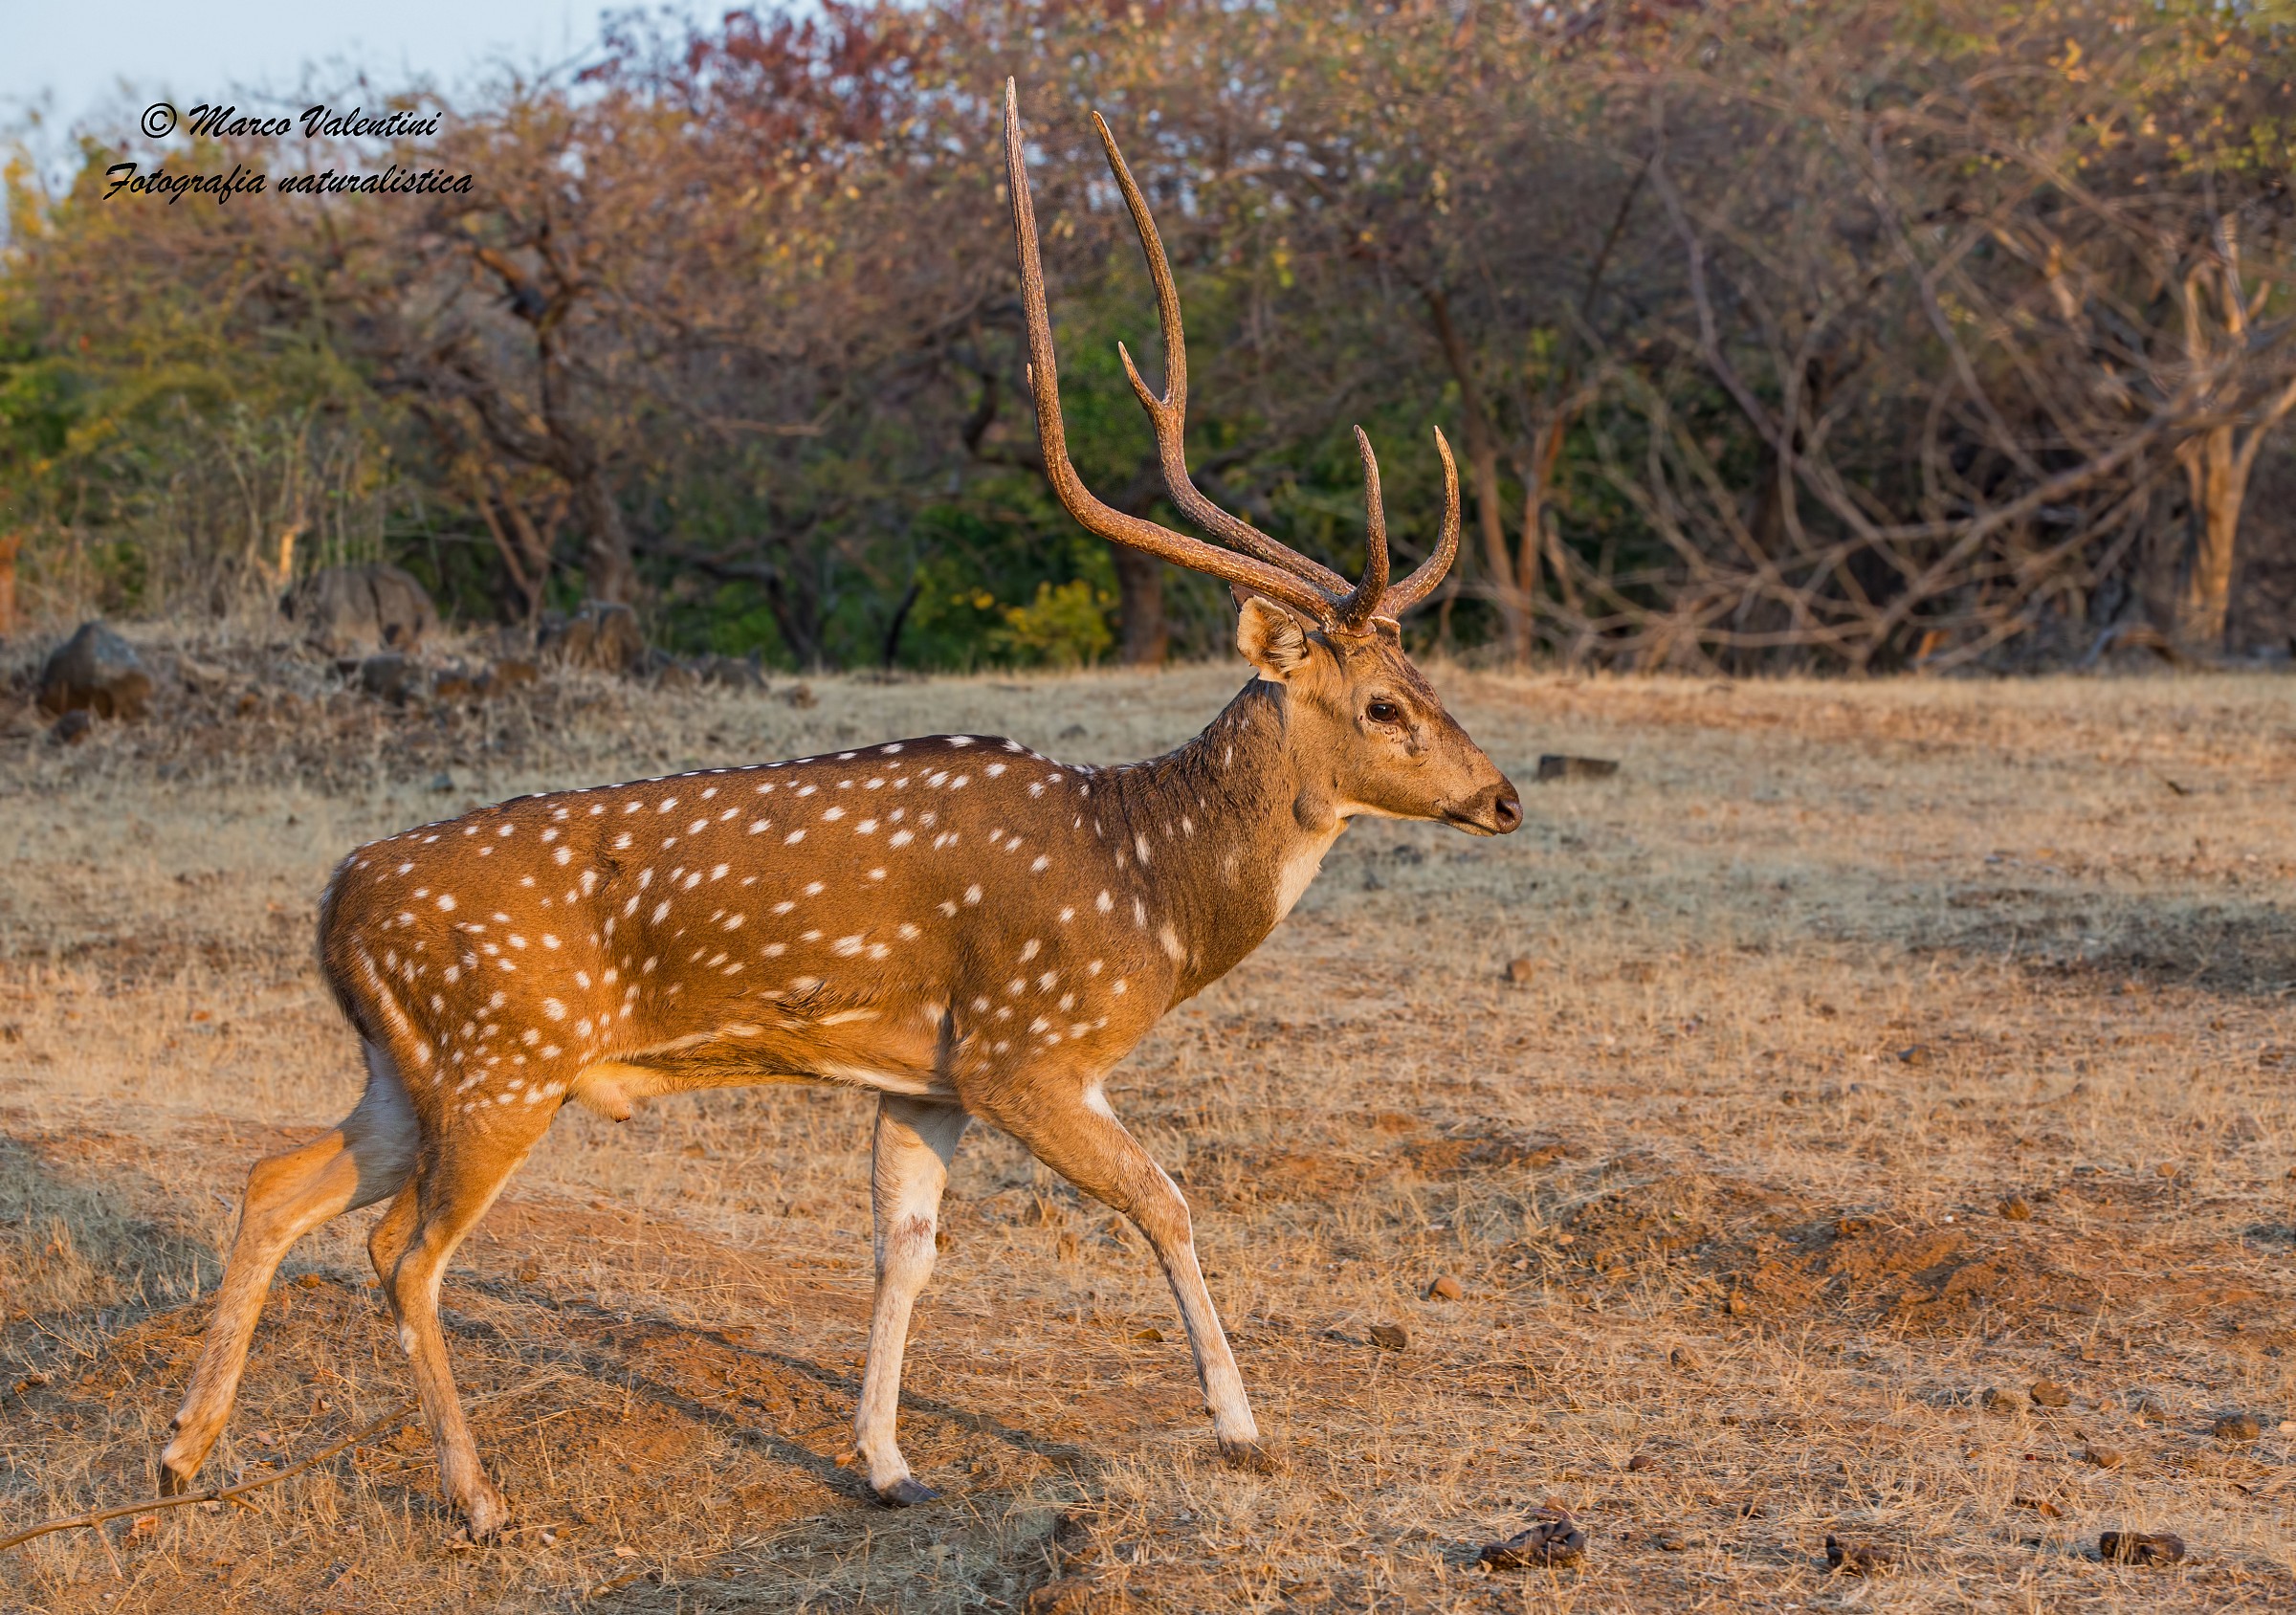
pixel 1494 811
pixel 1507 811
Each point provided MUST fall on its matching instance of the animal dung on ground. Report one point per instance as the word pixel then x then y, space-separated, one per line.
pixel 2235 1428
pixel 2048 1393
pixel 2139 1547
pixel 1390 1337
pixel 1444 1288
pixel 1857 1558
pixel 1555 1539
pixel 1555 766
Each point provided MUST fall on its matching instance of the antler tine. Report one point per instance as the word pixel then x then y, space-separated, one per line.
pixel 1169 414
pixel 1421 582
pixel 1043 381
pixel 1364 601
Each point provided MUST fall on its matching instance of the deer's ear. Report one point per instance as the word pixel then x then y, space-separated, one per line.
pixel 1272 638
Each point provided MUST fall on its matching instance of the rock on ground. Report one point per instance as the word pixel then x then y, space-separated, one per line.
pixel 95 671
pixel 352 610
pixel 604 635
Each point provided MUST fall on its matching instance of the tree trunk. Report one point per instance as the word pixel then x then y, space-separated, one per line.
pixel 1507 586
pixel 11 543
pixel 607 572
pixel 1144 638
pixel 2216 475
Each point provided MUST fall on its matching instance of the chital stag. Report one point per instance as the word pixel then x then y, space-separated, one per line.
pixel 957 923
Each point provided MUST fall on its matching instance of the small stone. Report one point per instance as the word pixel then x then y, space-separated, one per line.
pixel 1390 1337
pixel 1642 1463
pixel 801 697
pixel 2166 1169
pixel 2104 1458
pixel 1685 1361
pixel 1998 1401
pixel 2048 1393
pixel 1555 1539
pixel 2150 1411
pixel 1071 1595
pixel 1555 766
pixel 1445 1287
pixel 2016 1210
pixel 1520 972
pixel 2235 1428
pixel 2041 1506
pixel 1845 1558
pixel 2139 1547
pixel 1669 1543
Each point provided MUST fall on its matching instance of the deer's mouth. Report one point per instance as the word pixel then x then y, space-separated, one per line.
pixel 1498 811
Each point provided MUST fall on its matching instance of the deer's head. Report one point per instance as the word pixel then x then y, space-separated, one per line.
pixel 1361 723
pixel 1365 729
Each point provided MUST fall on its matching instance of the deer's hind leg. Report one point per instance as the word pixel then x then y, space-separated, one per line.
pixel 366 1156
pixel 456 1178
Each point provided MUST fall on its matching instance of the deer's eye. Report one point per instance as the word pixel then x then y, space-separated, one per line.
pixel 1383 712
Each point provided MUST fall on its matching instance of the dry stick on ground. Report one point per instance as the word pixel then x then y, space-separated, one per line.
pixel 214 1494
pixel 233 1493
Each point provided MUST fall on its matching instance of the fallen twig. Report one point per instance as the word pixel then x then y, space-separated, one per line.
pixel 214 1494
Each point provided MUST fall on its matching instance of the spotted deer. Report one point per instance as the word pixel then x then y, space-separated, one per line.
pixel 958 925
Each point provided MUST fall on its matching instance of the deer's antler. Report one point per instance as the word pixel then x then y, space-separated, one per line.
pixel 1269 567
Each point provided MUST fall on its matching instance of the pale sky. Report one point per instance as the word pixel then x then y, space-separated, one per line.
pixel 92 65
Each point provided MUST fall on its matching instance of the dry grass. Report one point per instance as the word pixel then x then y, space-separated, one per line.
pixel 1823 979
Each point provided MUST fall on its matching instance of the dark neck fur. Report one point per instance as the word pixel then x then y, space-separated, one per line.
pixel 1221 816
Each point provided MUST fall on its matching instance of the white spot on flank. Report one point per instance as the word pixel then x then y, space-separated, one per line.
pixel 1104 902
pixel 972 894
pixel 793 838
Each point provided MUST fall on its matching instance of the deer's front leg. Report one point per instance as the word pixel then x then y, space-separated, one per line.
pixel 916 1140
pixel 1081 1139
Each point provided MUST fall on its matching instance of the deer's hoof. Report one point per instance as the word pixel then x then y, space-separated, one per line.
pixel 1254 1458
pixel 485 1512
pixel 906 1493
pixel 174 1482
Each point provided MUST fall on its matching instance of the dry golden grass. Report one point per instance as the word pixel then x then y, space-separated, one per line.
pixel 1823 979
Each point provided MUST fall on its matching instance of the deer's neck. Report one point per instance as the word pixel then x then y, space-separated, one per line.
pixel 1234 828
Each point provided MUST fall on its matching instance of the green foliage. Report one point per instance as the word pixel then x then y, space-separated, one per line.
pixel 1063 627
